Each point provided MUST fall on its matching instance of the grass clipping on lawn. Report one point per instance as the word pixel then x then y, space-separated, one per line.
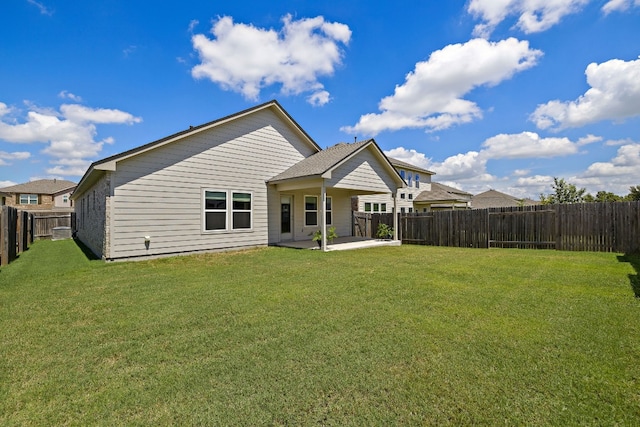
pixel 394 335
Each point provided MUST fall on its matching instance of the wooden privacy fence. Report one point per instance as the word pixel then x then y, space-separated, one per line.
pixel 366 224
pixel 599 227
pixel 16 233
pixel 45 222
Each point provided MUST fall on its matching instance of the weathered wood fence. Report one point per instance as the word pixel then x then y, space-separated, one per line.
pixel 16 233
pixel 18 229
pixel 45 222
pixel 366 224
pixel 598 227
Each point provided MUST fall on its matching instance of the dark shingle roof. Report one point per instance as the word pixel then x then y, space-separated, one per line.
pixel 440 192
pixel 320 162
pixel 41 186
pixel 496 199
pixel 404 165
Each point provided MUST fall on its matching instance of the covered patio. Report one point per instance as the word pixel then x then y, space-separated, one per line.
pixel 326 182
pixel 342 243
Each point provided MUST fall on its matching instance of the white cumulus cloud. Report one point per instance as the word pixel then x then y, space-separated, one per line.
pixel 527 145
pixel 5 157
pixel 626 162
pixel 69 135
pixel 532 15
pixel 614 95
pixel 245 59
pixel 432 94
pixel 619 5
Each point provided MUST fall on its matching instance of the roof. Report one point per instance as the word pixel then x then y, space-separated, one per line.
pixel 404 165
pixel 321 162
pixel 109 163
pixel 440 192
pixel 496 199
pixel 41 186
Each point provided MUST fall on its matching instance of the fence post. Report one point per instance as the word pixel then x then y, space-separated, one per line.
pixel 4 229
pixel 20 232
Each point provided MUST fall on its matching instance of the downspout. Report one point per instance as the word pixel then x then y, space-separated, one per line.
pixel 323 215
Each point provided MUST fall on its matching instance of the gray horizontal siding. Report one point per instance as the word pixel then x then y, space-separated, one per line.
pixel 362 172
pixel 159 193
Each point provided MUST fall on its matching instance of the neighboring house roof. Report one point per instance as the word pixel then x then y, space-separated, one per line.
pixel 404 165
pixel 41 186
pixel 442 193
pixel 109 163
pixel 496 199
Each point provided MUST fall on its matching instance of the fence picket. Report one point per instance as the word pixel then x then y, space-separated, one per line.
pixel 603 227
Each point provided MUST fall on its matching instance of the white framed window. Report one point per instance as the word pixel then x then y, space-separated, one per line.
pixel 402 196
pixel 417 180
pixel 383 207
pixel 410 196
pixel 241 210
pixel 28 199
pixel 367 207
pixel 376 207
pixel 227 210
pixel 328 211
pixel 311 211
pixel 401 173
pixel 215 210
pixel 409 178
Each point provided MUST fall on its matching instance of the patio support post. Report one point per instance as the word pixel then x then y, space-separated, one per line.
pixel 395 215
pixel 323 215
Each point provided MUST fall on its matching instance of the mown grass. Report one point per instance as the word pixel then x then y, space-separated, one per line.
pixel 386 336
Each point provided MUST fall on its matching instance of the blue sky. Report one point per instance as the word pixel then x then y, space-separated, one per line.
pixel 488 94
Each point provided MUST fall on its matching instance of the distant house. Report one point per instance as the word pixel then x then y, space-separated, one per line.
pixel 496 199
pixel 442 197
pixel 417 180
pixel 254 178
pixel 42 194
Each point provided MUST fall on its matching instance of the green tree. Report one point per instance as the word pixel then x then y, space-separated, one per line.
pixel 563 193
pixel 606 196
pixel 634 193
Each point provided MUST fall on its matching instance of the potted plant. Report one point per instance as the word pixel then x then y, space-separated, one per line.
pixel 331 234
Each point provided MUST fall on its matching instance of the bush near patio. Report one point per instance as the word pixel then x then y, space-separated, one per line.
pixel 396 335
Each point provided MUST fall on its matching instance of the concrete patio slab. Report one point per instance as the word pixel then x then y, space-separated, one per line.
pixel 342 244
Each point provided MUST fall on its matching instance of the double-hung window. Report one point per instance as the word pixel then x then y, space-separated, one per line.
pixel 224 210
pixel 28 199
pixel 417 180
pixel 311 210
pixel 367 207
pixel 215 210
pixel 241 210
pixel 409 178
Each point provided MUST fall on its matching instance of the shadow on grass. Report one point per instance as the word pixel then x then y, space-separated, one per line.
pixel 634 279
pixel 86 251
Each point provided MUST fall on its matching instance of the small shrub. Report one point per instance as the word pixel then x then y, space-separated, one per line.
pixel 384 231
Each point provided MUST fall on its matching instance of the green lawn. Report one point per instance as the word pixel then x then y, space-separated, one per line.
pixel 385 336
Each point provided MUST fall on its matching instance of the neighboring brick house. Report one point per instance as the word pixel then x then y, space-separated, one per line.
pixel 42 194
